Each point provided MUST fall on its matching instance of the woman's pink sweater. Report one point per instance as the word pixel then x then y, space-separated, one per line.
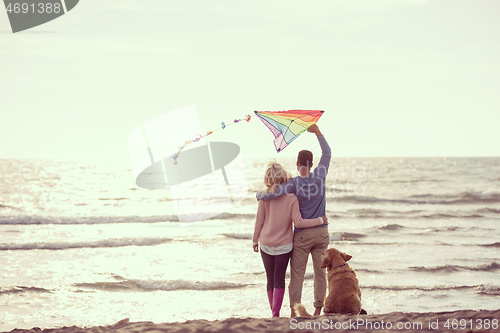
pixel 273 225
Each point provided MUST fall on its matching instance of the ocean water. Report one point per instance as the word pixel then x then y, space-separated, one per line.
pixel 80 244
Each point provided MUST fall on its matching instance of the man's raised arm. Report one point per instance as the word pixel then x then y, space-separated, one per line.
pixel 326 153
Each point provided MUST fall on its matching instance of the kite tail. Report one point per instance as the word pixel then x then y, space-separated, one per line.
pixel 200 136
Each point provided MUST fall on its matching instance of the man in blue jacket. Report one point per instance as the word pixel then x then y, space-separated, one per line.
pixel 310 190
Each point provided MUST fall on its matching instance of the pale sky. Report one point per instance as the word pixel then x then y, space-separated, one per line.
pixel 395 77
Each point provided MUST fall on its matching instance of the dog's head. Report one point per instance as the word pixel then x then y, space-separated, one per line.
pixel 333 258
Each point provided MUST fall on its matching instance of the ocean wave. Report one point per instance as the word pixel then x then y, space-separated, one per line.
pixel 386 243
pixel 428 199
pixel 158 285
pixel 356 214
pixel 238 236
pixel 371 213
pixel 414 181
pixel 376 213
pixel 4 206
pixel 370 271
pixel 489 290
pixel 463 197
pixel 451 229
pixel 232 216
pixel 450 216
pixel 489 210
pixel 391 227
pixel 497 244
pixel 403 288
pixel 23 289
pixel 345 236
pixel 456 268
pixel 105 243
pixel 55 219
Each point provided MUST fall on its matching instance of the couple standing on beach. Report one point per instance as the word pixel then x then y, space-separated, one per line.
pixel 300 200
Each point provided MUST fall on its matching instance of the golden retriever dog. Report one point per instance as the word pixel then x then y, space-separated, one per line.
pixel 344 296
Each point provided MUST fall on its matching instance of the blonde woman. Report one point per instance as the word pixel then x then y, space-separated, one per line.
pixel 274 231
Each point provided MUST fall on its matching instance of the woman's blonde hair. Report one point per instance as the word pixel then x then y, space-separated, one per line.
pixel 274 176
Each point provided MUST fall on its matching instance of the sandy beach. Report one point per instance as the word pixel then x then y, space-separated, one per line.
pixel 459 321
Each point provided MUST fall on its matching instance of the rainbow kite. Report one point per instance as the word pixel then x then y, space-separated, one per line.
pixel 286 126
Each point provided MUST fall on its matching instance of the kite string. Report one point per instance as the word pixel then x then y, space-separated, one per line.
pixel 200 136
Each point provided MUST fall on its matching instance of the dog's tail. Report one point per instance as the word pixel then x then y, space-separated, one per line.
pixel 300 310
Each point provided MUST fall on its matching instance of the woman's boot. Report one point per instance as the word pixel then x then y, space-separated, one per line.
pixel 270 298
pixel 278 295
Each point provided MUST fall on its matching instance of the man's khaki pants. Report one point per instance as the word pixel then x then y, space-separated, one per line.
pixel 314 241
